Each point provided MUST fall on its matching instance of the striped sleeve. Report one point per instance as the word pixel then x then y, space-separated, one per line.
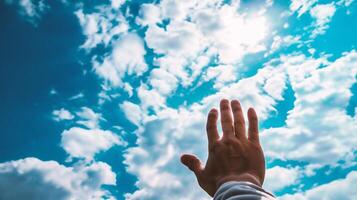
pixel 241 190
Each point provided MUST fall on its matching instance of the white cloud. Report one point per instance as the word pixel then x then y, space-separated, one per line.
pixel 285 41
pixel 345 2
pixel 132 112
pixel 62 114
pixel 317 130
pixel 163 81
pixel 261 91
pixel 322 13
pixel 337 189
pixel 77 96
pixel 84 143
pixel 108 26
pixel 116 4
pixel 31 178
pixel 150 98
pixel 223 74
pixel 30 9
pixel 278 178
pixel 127 58
pixel 301 6
pixel 100 27
pixel 128 55
pixel 187 46
pixel 149 14
pixel 88 118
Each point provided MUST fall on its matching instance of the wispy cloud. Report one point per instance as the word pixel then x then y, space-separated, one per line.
pixel 31 10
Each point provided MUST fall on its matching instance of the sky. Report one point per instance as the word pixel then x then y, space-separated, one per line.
pixel 100 98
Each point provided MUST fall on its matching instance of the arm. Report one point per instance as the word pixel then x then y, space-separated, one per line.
pixel 235 166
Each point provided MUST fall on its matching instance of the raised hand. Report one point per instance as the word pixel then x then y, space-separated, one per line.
pixel 233 157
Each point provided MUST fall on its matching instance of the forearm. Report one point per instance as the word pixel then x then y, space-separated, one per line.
pixel 241 190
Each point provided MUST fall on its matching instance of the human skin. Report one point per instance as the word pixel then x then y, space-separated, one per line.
pixel 236 156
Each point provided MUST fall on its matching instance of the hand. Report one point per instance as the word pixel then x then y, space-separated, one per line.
pixel 234 157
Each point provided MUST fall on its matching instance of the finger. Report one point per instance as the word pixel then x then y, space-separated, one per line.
pixel 239 123
pixel 253 133
pixel 192 162
pixel 211 126
pixel 226 119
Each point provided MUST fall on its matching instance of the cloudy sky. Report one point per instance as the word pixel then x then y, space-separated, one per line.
pixel 100 98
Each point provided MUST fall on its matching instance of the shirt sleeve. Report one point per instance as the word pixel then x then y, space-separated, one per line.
pixel 241 190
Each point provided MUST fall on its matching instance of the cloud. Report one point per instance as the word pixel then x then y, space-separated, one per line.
pixel 127 58
pixel 62 114
pixel 30 9
pixel 283 41
pixel 150 98
pixel 31 178
pixel 124 51
pixel 116 4
pixel 337 189
pixel 163 81
pixel 317 130
pixel 132 112
pixel 278 178
pixel 301 6
pixel 84 143
pixel 322 13
pixel 345 2
pixel 88 118
pixel 100 27
pixel 223 74
pixel 149 14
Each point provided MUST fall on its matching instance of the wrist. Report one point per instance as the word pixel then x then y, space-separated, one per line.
pixel 243 177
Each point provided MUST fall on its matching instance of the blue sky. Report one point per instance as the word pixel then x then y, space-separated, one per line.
pixel 100 98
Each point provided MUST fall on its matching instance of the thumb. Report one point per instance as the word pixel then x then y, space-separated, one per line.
pixel 192 162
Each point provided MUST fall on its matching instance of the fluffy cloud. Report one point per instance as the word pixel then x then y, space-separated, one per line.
pixel 278 178
pixel 31 178
pixel 62 114
pixel 149 14
pixel 338 189
pixel 127 58
pixel 317 130
pixel 84 143
pixel 30 9
pixel 88 118
pixel 223 74
pixel 322 13
pixel 185 47
pixel 132 112
pixel 125 51
pixel 100 27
